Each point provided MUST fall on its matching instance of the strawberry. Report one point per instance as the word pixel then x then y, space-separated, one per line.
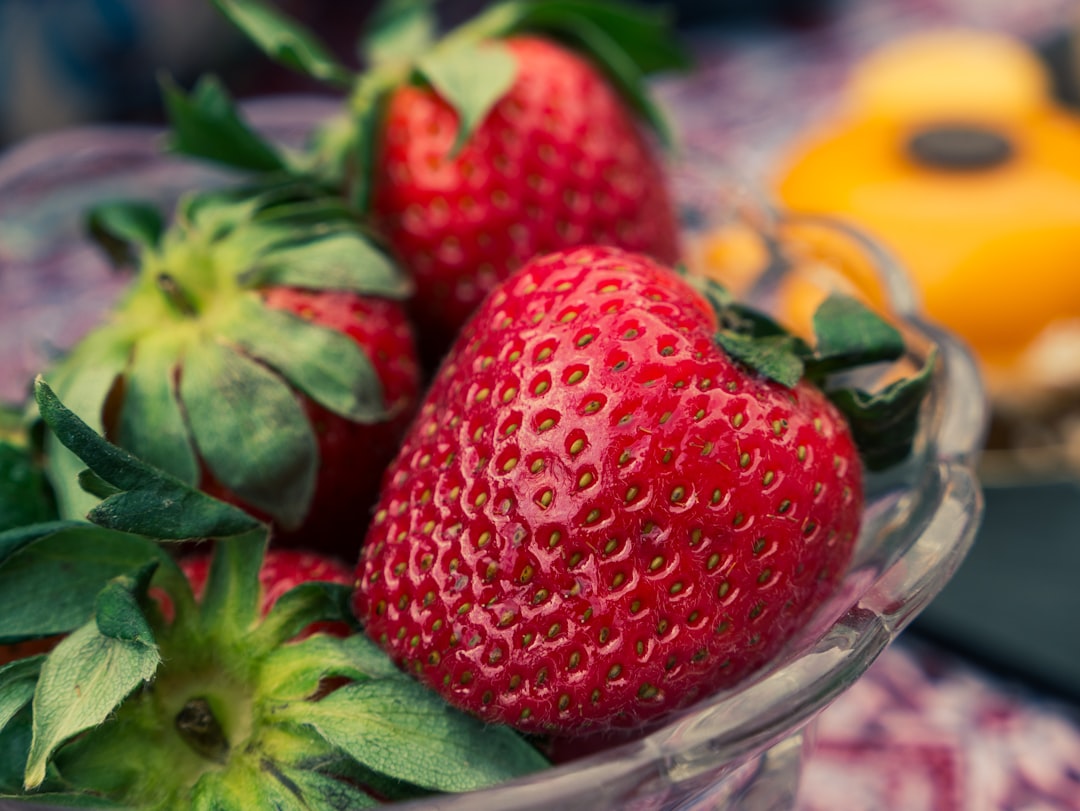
pixel 517 133
pixel 559 161
pixel 602 512
pixel 206 684
pixel 262 353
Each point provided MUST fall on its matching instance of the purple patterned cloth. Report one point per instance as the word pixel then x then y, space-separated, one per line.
pixel 924 732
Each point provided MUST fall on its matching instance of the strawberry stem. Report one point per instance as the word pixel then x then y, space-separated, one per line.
pixel 176 295
pixel 200 729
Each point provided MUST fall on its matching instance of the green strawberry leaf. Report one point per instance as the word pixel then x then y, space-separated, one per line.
pixel 471 78
pixel 334 150
pixel 117 608
pixel 96 486
pixel 14 747
pixel 61 799
pixel 294 671
pixel 151 423
pixel 88 674
pixel 231 598
pixel 298 608
pixel 339 261
pixel 207 124
pixel 301 749
pixel 376 721
pixel 25 495
pixel 84 380
pixel 50 587
pixel 848 334
pixel 266 452
pixel 218 212
pixel 645 33
pixel 285 40
pixel 314 212
pixel 17 682
pixel 324 363
pixel 627 78
pixel 885 423
pixel 324 792
pixel 122 227
pixel 398 31
pixel 14 540
pixel 263 783
pixel 352 159
pixel 152 503
pixel 774 356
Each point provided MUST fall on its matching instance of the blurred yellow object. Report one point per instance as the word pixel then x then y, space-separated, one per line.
pixel 951 153
pixel 822 260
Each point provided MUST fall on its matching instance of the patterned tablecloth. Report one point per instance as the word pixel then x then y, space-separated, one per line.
pixel 922 731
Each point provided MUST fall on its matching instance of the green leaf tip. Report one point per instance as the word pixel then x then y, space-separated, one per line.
pixel 150 502
pixel 471 78
pixel 398 30
pixel 285 40
pixel 848 335
pixel 117 608
pixel 885 423
pixel 207 124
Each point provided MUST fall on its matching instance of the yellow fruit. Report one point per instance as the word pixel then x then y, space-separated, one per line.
pixel 992 244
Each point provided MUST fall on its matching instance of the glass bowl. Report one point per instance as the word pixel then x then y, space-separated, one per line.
pixel 738 749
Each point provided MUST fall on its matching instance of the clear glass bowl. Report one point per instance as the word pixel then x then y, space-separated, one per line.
pixel 740 749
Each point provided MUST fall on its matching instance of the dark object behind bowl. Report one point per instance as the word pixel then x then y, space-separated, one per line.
pixel 1014 604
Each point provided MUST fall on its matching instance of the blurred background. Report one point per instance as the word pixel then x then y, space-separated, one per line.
pixel 68 61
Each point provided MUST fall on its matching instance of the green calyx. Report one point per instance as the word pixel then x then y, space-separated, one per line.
pixel 194 371
pixel 154 700
pixel 848 336
pixel 469 67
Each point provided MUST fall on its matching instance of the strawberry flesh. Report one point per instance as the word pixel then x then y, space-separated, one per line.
pixel 598 516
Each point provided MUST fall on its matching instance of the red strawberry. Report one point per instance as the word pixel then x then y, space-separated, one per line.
pixel 262 354
pixel 31 647
pixel 599 515
pixel 558 162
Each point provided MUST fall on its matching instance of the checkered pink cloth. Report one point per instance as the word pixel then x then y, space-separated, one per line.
pixel 924 732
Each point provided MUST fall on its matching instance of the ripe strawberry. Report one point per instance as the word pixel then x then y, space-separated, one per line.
pixel 599 515
pixel 262 353
pixel 559 161
pixel 205 684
